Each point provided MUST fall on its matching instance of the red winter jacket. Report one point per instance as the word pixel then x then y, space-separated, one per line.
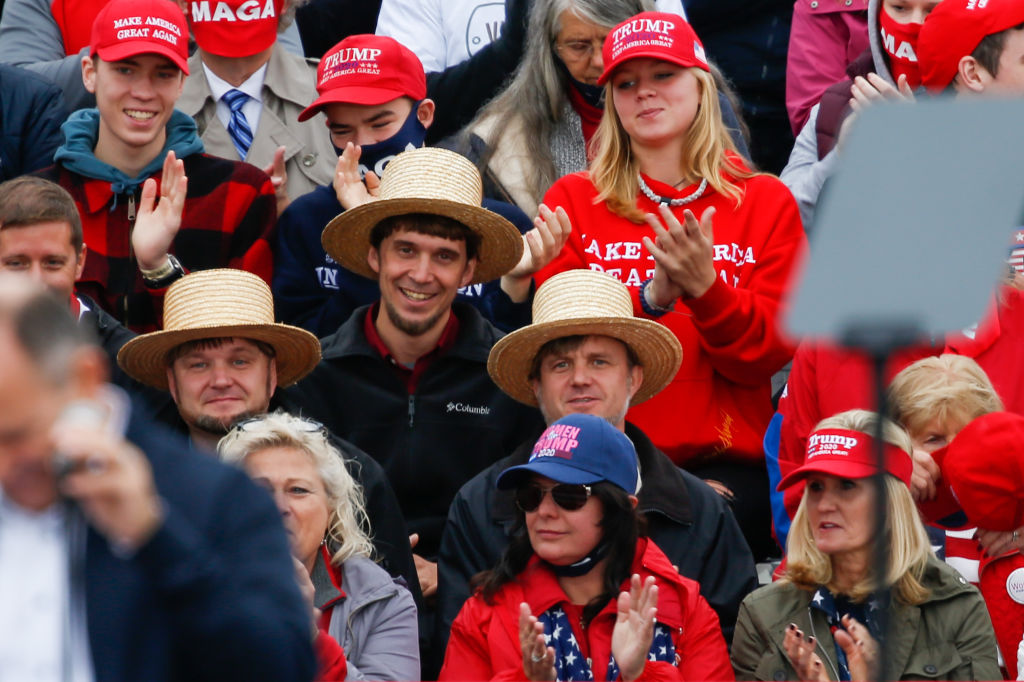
pixel 719 403
pixel 484 642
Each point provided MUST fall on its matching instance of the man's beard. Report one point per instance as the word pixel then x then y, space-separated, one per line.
pixel 408 327
pixel 220 427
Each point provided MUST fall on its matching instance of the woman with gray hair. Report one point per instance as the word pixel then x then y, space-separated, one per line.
pixel 539 127
pixel 365 623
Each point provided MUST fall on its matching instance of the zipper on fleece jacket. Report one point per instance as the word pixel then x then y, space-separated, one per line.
pixel 412 409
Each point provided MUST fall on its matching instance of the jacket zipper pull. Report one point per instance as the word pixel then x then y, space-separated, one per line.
pixel 131 208
pixel 412 410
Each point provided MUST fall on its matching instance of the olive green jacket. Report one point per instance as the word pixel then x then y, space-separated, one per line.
pixel 948 637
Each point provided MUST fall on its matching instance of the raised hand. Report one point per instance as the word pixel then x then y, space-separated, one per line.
pixel 860 648
pixel 351 189
pixel 683 251
pixel 279 179
pixel 925 476
pixel 540 246
pixel 634 626
pixel 157 223
pixel 800 650
pixel 538 658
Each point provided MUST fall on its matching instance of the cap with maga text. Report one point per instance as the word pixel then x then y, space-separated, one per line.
pixel 367 69
pixel 954 29
pixel 658 35
pixel 848 454
pixel 125 28
pixel 235 28
pixel 580 448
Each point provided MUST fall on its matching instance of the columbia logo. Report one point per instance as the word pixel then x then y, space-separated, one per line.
pixel 467 409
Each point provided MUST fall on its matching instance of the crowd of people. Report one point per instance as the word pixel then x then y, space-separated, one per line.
pixel 455 352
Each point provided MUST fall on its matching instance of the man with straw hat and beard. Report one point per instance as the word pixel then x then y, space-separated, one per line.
pixel 221 357
pixel 406 377
pixel 586 353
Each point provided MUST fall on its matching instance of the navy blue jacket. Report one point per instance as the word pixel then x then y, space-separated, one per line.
pixel 313 292
pixel 31 113
pixel 212 595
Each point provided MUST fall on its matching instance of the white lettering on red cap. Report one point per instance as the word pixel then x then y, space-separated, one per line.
pixel 642 33
pixel 977 4
pixel 247 11
pixel 362 60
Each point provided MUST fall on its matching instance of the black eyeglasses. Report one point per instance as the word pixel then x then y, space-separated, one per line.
pixel 568 496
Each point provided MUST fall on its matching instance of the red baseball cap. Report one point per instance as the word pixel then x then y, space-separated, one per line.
pixel 125 28
pixel 848 454
pixel 659 35
pixel 235 28
pixel 984 466
pixel 367 69
pixel 953 30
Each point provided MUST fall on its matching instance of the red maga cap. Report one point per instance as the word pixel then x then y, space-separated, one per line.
pixel 953 30
pixel 367 69
pixel 848 454
pixel 125 28
pixel 984 466
pixel 235 28
pixel 658 35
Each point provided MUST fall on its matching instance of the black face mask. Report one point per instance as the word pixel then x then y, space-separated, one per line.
pixel 374 157
pixel 592 94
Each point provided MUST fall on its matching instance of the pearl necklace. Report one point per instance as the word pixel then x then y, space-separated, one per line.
pixel 671 202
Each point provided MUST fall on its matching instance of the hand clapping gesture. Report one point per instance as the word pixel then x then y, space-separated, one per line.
pixel 538 658
pixel 351 189
pixel 634 627
pixel 540 246
pixel 683 255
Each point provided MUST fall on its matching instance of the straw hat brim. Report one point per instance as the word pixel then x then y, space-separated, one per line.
pixel 297 351
pixel 656 347
pixel 347 237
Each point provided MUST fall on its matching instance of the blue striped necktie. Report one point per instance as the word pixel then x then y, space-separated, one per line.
pixel 238 127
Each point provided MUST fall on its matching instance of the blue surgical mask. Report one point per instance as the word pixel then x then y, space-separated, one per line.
pixel 374 157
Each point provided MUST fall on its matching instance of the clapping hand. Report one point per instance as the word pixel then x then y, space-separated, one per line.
pixel 538 657
pixel 634 626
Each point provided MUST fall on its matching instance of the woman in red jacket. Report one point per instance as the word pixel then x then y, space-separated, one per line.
pixel 663 158
pixel 578 594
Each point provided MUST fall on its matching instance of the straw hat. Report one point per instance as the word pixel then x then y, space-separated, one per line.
pixel 219 303
pixel 582 302
pixel 427 180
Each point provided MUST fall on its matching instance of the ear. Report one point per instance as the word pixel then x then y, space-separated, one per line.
pixel 972 76
pixel 81 262
pixel 272 379
pixel 373 259
pixel 633 501
pixel 89 371
pixel 636 375
pixel 467 275
pixel 89 74
pixel 172 387
pixel 425 112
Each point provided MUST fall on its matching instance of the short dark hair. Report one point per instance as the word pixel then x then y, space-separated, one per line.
pixel 429 224
pixel 990 49
pixel 215 342
pixel 28 200
pixel 567 344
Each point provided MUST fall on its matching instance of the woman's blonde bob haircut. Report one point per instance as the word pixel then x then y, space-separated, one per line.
pixel 953 389
pixel 909 548
pixel 347 531
pixel 615 167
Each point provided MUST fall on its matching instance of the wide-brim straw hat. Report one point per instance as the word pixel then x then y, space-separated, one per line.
pixel 434 181
pixel 219 303
pixel 584 302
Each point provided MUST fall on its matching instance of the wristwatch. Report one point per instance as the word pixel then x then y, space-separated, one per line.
pixel 163 276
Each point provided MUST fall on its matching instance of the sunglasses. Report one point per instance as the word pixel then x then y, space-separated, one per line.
pixel 568 496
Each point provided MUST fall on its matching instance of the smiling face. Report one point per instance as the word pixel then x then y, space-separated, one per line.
pixel 595 377
pixel 656 101
pixel 840 512
pixel 559 536
pixel 298 490
pixel 43 252
pixel 419 275
pixel 216 385
pixel 135 98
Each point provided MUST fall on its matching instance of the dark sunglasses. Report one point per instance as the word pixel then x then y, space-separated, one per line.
pixel 568 496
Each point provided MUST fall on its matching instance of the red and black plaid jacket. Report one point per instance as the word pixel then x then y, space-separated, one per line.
pixel 229 217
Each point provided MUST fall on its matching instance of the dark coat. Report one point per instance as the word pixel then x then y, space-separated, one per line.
pixel 31 113
pixel 212 595
pixel 688 520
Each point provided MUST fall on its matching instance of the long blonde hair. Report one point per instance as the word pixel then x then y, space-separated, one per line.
pixel 909 548
pixel 615 167
pixel 348 526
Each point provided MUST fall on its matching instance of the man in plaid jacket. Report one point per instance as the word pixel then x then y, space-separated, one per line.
pixel 119 157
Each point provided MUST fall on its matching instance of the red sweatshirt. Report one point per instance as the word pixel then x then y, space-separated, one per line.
pixel 484 643
pixel 719 403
